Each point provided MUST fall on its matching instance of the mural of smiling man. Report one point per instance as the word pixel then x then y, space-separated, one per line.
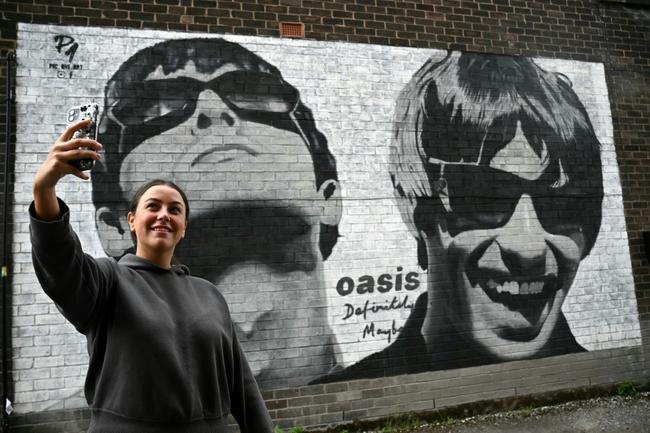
pixel 223 124
pixel 497 174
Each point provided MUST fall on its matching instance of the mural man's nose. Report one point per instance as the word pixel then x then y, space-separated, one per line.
pixel 211 111
pixel 522 242
pixel 203 121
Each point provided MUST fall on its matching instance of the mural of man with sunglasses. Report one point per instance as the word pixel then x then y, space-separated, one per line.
pixel 497 174
pixel 224 125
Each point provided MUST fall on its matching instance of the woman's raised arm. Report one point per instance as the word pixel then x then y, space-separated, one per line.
pixel 57 165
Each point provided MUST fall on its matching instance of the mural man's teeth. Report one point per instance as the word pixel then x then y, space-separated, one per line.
pixel 531 288
pixel 523 289
pixel 515 288
pixel 512 287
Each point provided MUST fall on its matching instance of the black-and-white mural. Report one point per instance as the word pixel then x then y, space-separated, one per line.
pixel 261 181
pixel 497 174
pixel 366 210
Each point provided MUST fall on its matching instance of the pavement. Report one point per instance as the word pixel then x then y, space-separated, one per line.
pixel 613 414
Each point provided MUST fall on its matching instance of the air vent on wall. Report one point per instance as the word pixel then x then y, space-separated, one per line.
pixel 292 30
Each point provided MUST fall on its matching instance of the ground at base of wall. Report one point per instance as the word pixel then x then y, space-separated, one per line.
pixel 614 414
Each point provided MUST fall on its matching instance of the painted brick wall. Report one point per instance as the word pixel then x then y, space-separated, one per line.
pixel 628 82
pixel 48 357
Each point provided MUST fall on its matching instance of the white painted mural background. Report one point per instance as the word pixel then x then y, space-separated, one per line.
pixel 351 90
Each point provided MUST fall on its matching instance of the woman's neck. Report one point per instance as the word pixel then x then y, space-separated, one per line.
pixel 162 259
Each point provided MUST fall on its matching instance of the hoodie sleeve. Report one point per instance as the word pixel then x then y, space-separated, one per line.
pixel 247 404
pixel 77 283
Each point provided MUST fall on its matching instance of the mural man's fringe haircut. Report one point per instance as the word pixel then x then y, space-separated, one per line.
pixel 465 107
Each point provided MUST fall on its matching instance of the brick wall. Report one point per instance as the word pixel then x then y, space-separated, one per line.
pixel 563 29
pixel 610 33
pixel 627 60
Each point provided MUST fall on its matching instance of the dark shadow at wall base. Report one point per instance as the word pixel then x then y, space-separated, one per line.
pixel 69 421
pixel 63 421
pixel 487 407
pixel 77 420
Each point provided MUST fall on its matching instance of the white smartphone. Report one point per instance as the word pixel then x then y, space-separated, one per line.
pixel 87 111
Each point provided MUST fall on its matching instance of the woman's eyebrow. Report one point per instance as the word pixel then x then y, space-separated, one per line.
pixel 157 200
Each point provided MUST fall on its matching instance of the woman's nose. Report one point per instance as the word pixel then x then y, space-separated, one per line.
pixel 163 215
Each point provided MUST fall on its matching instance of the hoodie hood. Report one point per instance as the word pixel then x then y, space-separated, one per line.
pixel 134 262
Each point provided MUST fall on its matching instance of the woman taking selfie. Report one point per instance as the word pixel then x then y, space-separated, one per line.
pixel 164 356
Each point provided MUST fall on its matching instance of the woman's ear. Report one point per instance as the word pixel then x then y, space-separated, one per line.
pixel 330 191
pixel 130 218
pixel 185 229
pixel 113 231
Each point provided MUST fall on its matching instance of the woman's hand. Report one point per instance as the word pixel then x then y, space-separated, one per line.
pixel 57 164
pixel 64 150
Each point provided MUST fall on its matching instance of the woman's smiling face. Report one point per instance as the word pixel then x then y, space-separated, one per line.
pixel 159 223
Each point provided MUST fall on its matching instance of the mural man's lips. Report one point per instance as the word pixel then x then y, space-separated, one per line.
pixel 528 296
pixel 226 148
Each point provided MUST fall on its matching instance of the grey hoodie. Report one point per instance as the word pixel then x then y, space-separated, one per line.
pixel 164 356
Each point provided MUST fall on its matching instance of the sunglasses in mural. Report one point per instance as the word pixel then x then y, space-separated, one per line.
pixel 482 197
pixel 165 103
